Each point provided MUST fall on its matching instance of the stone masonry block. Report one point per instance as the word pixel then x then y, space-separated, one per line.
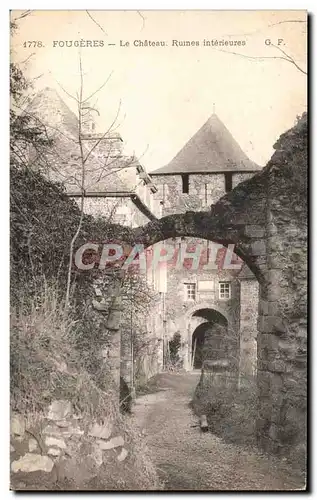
pixel 59 409
pixel 268 341
pixel 52 441
pixel 115 442
pixel 17 425
pixel 255 231
pixel 101 431
pixel 271 324
pixel 258 247
pixel 263 307
pixel 32 462
pixel 277 366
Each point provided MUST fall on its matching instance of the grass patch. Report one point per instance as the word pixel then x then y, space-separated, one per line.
pixel 231 411
pixel 46 365
pixel 150 387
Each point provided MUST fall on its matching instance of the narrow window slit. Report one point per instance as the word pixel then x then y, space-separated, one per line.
pixel 185 183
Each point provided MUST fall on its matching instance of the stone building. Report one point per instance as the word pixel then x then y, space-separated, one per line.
pixel 212 305
pixel 116 188
pixel 266 218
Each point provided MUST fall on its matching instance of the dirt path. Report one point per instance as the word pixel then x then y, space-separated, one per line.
pixel 190 460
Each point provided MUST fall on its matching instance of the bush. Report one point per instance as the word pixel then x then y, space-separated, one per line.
pixel 44 361
pixel 46 366
pixel 40 246
pixel 231 410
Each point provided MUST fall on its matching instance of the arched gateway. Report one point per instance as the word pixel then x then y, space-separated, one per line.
pixel 265 217
pixel 212 338
pixel 261 219
pixel 202 321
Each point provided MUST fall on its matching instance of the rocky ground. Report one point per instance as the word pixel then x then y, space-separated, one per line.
pixel 188 459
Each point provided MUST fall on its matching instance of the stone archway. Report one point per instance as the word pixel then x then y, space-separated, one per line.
pixel 265 218
pixel 194 317
pixel 202 306
pixel 211 340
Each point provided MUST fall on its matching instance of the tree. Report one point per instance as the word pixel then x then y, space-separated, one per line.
pixel 26 130
pixel 38 248
pixel 90 168
pixel 280 54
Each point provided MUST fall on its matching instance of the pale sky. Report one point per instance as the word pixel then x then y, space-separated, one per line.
pixel 167 93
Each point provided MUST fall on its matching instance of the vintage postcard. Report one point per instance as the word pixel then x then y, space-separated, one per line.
pixel 158 242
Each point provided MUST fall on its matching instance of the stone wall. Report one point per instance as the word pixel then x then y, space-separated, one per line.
pixel 240 177
pixel 62 450
pixel 203 191
pixel 207 188
pixel 249 299
pixel 179 310
pixel 282 345
pixel 177 305
pixel 116 209
pixel 265 217
pixel 141 342
pixel 107 167
pixel 170 193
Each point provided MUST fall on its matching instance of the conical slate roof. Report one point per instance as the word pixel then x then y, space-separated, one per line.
pixel 211 149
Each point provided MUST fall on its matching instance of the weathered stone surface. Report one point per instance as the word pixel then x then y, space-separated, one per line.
pixel 100 306
pixel 19 439
pixel 63 423
pixel 59 409
pixel 249 298
pixel 20 485
pixel 62 432
pixel 12 449
pixel 32 462
pixel 258 247
pixel 17 425
pixel 97 455
pixel 274 308
pixel 123 455
pixel 61 366
pixel 52 441
pixel 74 431
pixel 273 324
pixel 32 444
pixel 101 431
pixel 263 307
pixel 115 442
pixel 78 470
pixel 273 432
pixel 55 431
pixel 54 452
pixel 277 366
pixel 255 231
pixel 216 365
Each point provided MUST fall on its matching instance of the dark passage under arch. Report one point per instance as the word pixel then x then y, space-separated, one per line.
pixel 209 339
pixel 198 340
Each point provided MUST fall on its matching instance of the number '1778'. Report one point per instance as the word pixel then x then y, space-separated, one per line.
pixel 33 43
